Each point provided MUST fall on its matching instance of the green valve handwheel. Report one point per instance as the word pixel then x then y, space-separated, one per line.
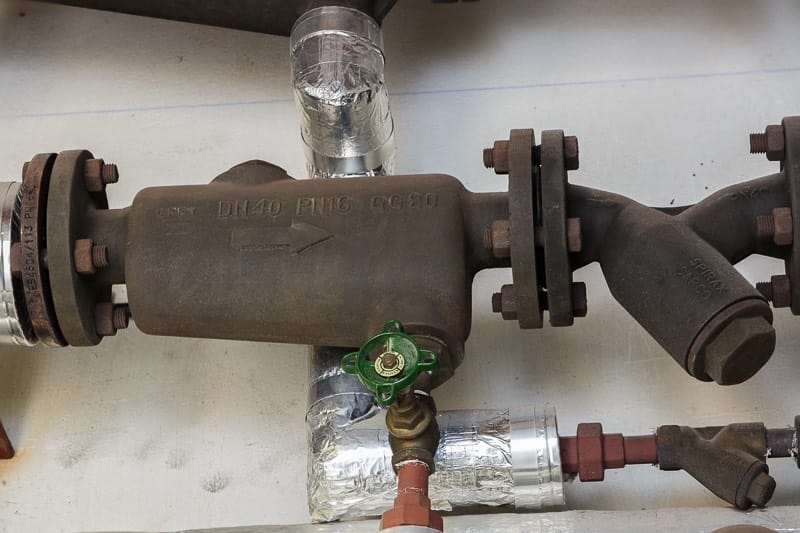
pixel 389 362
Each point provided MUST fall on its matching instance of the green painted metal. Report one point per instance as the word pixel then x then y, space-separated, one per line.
pixel 389 362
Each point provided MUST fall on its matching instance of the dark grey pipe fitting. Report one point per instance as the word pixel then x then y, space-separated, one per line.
pixel 729 461
pixel 683 291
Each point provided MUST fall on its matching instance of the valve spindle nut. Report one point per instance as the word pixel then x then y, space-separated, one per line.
pixel 771 143
pixel 89 256
pixel 571 153
pixel 97 174
pixel 497 157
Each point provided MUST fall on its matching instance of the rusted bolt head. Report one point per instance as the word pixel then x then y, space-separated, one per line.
pixel 571 153
pixel 97 174
pixel 104 319
pixel 574 238
pixel 505 302
pixel 108 318
pixel 88 256
pixel 776 149
pixel 501 239
pixel 782 223
pixel 739 350
pixel 82 256
pixel 781 291
pixel 497 157
pixel 579 304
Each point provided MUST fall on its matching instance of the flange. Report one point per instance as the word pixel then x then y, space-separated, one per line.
pixel 69 207
pixel 33 245
pixel 553 193
pixel 791 168
pixel 522 174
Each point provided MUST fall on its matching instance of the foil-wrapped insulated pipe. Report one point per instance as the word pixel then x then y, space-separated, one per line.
pixel 485 458
pixel 337 76
pixel 15 327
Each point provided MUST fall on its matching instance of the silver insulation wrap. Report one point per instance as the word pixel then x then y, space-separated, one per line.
pixel 14 326
pixel 485 458
pixel 337 76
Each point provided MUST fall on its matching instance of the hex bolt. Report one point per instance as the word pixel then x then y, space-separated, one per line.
pixel 505 302
pixel 108 318
pixel 498 239
pixel 571 153
pixel 574 237
pixel 778 291
pixel 97 174
pixel 580 306
pixel 777 226
pixel 121 316
pixel 89 256
pixel 497 157
pixel 771 142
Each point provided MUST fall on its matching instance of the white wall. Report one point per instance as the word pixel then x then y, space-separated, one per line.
pixel 157 433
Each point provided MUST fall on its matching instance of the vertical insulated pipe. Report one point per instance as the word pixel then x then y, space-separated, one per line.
pixel 337 76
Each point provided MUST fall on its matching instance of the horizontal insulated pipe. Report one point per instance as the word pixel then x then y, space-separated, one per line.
pixel 485 458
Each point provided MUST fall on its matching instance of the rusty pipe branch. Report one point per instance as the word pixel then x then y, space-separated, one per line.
pixel 730 460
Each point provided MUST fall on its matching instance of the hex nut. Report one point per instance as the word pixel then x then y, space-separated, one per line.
pixel 739 350
pixel 408 422
pixel 590 452
pixel 411 509
pixel 776 149
pixel 82 255
pixel 574 237
pixel 97 174
pixel 580 307
pixel 505 302
pixel 497 157
pixel 501 239
pixel 571 153
pixel 781 291
pixel 104 319
pixel 782 224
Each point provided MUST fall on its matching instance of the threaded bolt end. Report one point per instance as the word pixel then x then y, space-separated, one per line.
pixel 110 173
pixel 488 157
pixel 121 316
pixel 497 302
pixel 100 255
pixel 488 241
pixel 758 143
pixel 765 226
pixel 766 290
